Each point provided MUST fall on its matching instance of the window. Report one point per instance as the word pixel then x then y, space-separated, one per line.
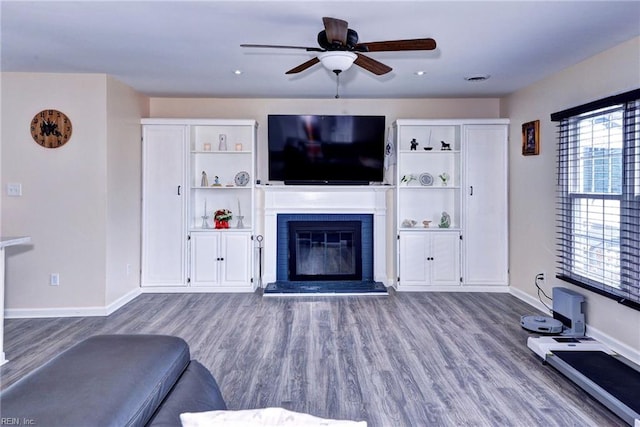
pixel 598 204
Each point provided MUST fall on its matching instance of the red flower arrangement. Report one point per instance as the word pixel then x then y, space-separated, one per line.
pixel 221 218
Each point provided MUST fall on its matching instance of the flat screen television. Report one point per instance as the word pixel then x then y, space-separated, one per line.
pixel 321 149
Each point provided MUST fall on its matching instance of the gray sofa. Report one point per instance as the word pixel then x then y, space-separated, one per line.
pixel 114 380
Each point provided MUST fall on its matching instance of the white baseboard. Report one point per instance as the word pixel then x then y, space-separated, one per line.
pixel 532 301
pixel 464 288
pixel 196 289
pixel 615 345
pixel 123 300
pixel 35 313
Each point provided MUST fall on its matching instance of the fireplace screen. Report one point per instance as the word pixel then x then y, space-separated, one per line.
pixel 320 250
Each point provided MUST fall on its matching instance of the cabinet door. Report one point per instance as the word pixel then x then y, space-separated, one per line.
pixel 163 206
pixel 429 259
pixel 413 261
pixel 205 259
pixel 444 259
pixel 485 205
pixel 237 261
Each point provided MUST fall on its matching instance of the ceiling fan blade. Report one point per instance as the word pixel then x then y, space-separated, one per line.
pixel 369 64
pixel 336 30
pixel 303 66
pixel 397 45
pixel 274 46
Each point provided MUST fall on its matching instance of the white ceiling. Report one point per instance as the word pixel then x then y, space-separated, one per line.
pixel 190 49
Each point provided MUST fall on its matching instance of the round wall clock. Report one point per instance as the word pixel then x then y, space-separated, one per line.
pixel 51 128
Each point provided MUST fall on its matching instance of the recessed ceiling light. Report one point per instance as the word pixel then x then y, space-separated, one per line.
pixel 237 72
pixel 419 73
pixel 477 77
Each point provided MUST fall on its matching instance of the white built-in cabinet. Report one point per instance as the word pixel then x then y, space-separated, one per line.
pixel 485 225
pixel 221 260
pixel 429 259
pixel 451 233
pixel 210 259
pixel 164 206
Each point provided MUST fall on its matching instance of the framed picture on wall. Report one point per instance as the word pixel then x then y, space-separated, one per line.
pixel 531 138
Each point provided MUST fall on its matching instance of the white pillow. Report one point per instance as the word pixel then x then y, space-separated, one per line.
pixel 267 417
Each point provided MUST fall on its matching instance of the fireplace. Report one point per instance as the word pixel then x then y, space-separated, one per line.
pixel 281 204
pixel 324 250
pixel 321 247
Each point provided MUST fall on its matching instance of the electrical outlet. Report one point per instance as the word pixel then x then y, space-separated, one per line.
pixel 54 279
pixel 541 276
pixel 14 189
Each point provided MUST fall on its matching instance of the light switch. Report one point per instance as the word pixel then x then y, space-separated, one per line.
pixel 14 189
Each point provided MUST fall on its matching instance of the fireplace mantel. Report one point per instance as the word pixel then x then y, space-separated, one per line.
pixel 339 199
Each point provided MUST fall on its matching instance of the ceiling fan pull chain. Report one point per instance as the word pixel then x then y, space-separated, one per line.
pixel 337 83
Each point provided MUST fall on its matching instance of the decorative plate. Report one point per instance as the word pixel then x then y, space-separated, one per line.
pixel 426 179
pixel 242 178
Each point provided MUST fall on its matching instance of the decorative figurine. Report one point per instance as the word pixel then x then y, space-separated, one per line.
pixel 216 182
pixel 444 177
pixel 409 223
pixel 222 142
pixel 445 221
pixel 204 182
pixel 426 223
pixel 445 146
pixel 414 144
pixel 408 178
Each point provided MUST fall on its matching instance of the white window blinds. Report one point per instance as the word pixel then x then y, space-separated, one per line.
pixel 598 203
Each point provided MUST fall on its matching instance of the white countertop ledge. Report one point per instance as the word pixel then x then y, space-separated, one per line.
pixel 13 241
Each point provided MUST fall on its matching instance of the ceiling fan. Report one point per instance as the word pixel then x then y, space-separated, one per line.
pixel 339 49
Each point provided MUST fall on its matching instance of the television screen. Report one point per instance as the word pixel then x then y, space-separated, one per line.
pixel 313 149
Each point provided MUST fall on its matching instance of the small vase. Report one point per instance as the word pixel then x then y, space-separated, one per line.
pixel 219 224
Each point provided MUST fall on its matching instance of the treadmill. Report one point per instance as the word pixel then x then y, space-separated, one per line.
pixel 607 376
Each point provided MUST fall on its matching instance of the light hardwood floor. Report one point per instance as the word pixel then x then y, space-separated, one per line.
pixel 409 359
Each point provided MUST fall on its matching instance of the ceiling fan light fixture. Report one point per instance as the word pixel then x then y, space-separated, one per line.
pixel 337 60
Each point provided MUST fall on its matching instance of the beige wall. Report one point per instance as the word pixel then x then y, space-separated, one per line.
pixel 533 178
pixel 66 202
pixel 124 190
